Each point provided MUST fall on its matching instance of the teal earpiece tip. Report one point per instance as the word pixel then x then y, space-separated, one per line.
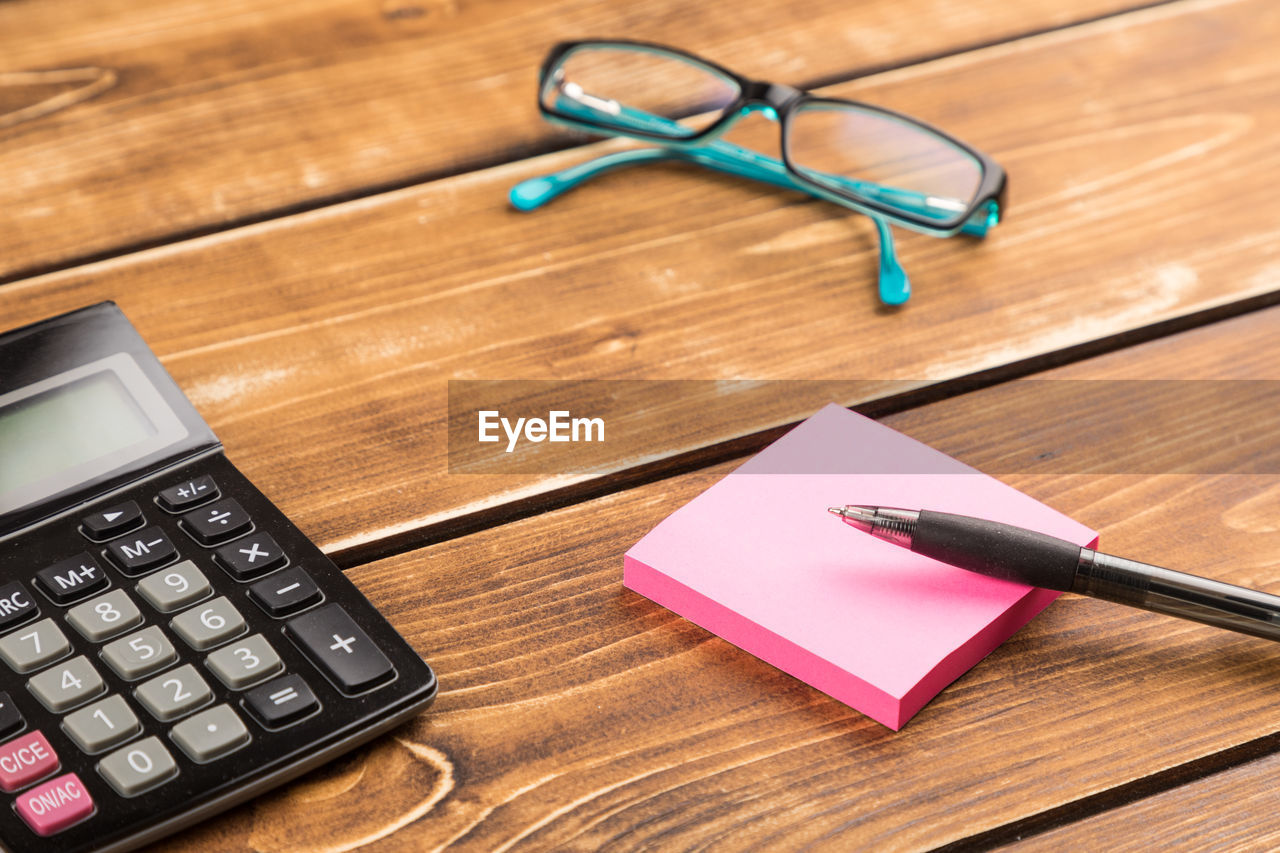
pixel 530 194
pixel 895 287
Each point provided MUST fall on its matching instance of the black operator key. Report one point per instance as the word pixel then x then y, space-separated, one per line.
pixel 16 605
pixel 75 577
pixel 340 649
pixel 217 522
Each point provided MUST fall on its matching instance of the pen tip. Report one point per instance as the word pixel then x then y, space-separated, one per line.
pixel 836 510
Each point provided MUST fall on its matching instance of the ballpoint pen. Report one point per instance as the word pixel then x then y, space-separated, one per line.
pixel 1015 554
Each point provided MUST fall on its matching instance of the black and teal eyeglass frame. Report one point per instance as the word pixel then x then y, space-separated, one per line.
pixel 972 211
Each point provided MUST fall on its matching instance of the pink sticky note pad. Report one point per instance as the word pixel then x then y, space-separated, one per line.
pixel 758 560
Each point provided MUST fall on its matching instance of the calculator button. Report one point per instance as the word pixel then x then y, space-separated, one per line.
pixel 174 693
pixel 142 551
pixel 175 587
pixel 245 662
pixel 139 654
pixel 64 687
pixel 105 616
pixel 10 717
pixel 56 805
pixel 217 522
pixel 25 759
pixel 210 734
pixel 281 701
pixel 30 648
pixel 338 646
pixel 249 557
pixel 112 521
pixel 16 605
pixel 206 625
pixel 188 494
pixel 73 578
pixel 138 767
pixel 285 593
pixel 102 725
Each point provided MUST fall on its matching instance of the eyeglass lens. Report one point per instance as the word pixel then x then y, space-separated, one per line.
pixel 885 159
pixel 638 89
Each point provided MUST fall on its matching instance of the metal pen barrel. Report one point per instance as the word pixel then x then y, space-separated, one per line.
pixel 1222 605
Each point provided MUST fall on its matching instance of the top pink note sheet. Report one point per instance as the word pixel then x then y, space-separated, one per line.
pixel 758 560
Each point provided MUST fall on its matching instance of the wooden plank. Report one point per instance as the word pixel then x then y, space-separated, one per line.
pixel 577 715
pixel 319 347
pixel 1232 810
pixel 123 123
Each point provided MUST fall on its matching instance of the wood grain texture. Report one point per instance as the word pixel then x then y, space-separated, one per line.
pixel 204 114
pixel 319 346
pixel 576 715
pixel 1231 810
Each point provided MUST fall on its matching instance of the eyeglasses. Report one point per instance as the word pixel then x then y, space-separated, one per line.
pixel 894 168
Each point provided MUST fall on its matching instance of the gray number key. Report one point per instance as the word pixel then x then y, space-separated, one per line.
pixel 67 685
pixel 244 662
pixel 174 693
pixel 210 734
pixel 138 767
pixel 102 725
pixel 34 646
pixel 105 616
pixel 175 587
pixel 206 625
pixel 139 654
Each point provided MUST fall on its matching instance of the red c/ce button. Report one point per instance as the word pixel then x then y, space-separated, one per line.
pixel 25 759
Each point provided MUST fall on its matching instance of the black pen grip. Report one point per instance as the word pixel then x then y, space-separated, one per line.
pixel 996 550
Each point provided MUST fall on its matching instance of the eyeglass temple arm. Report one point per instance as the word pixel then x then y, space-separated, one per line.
pixel 740 161
pixel 894 287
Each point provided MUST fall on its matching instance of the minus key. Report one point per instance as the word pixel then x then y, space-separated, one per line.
pixel 285 592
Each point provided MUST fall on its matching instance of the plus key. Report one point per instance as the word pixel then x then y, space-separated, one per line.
pixel 340 649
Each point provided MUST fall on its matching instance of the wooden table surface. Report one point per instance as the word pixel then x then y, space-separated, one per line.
pixel 301 206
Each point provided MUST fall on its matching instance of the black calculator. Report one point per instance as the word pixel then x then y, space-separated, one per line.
pixel 170 644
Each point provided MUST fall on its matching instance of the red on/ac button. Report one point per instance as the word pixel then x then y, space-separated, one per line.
pixel 55 805
pixel 25 759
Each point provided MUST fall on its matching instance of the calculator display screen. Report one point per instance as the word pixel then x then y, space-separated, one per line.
pixel 78 427
pixel 49 433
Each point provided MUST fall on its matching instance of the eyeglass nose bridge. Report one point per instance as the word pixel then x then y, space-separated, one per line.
pixel 758 94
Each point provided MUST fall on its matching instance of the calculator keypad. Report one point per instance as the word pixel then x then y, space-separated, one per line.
pixel 244 663
pixel 175 587
pixel 139 654
pixel 142 649
pixel 210 734
pixel 102 725
pixel 138 767
pixel 25 759
pixel 188 493
pixel 285 592
pixel 250 557
pixel 67 685
pixel 104 617
pixel 217 523
pixel 281 701
pixel 30 648
pixel 206 625
pixel 57 804
pixel 143 551
pixel 16 605
pixel 71 579
pixel 338 646
pixel 174 693
pixel 112 521
pixel 11 719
